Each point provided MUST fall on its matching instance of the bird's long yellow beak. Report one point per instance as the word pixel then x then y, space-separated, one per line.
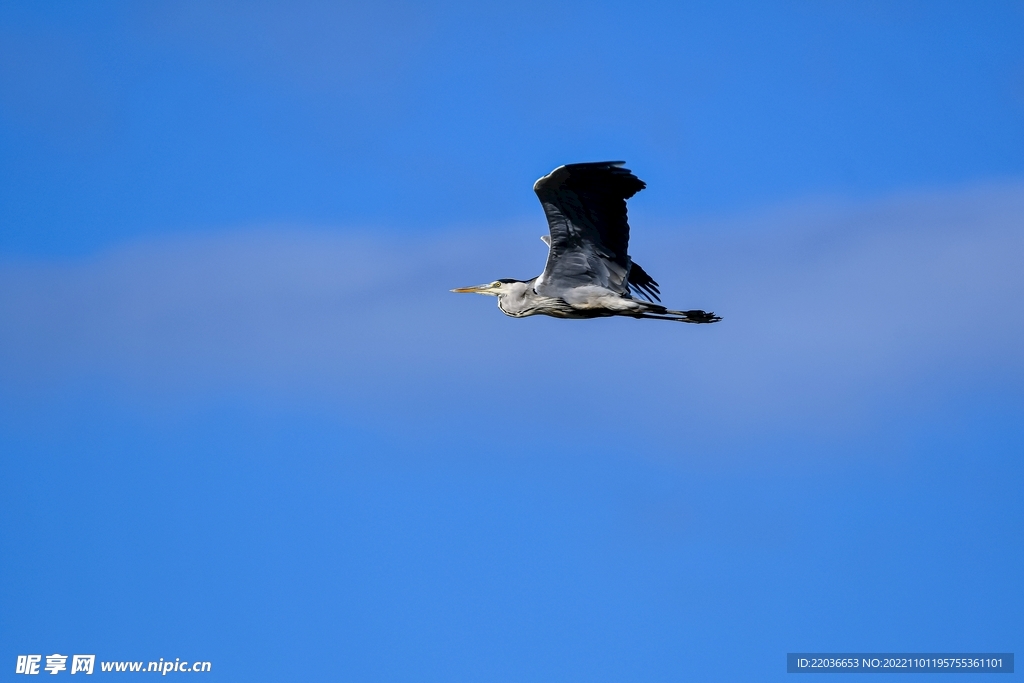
pixel 478 289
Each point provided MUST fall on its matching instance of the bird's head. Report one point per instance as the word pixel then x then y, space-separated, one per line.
pixel 496 288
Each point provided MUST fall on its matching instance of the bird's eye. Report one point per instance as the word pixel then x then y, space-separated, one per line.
pixel 495 284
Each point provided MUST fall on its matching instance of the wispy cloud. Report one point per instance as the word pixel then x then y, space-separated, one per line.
pixel 826 307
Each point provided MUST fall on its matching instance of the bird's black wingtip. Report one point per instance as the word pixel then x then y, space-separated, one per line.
pixel 593 165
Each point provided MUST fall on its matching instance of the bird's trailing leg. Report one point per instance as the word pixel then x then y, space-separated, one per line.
pixel 695 316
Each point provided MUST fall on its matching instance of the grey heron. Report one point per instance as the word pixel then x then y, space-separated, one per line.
pixel 589 273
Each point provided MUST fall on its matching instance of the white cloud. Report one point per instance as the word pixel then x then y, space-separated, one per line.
pixel 826 307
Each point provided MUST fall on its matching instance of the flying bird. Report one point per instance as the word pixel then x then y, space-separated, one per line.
pixel 589 273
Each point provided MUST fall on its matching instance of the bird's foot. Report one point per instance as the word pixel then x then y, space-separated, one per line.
pixel 699 316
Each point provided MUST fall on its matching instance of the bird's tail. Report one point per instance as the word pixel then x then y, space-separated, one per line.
pixel 697 316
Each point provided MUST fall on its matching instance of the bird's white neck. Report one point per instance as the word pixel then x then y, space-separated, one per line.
pixel 514 299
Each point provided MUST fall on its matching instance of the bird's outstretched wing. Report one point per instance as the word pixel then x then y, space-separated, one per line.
pixel 586 209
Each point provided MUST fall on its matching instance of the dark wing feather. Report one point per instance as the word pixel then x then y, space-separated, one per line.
pixel 585 206
pixel 643 284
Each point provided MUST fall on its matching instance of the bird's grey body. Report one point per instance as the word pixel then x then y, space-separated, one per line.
pixel 588 273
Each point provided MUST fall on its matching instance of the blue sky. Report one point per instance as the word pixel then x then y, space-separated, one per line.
pixel 244 421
